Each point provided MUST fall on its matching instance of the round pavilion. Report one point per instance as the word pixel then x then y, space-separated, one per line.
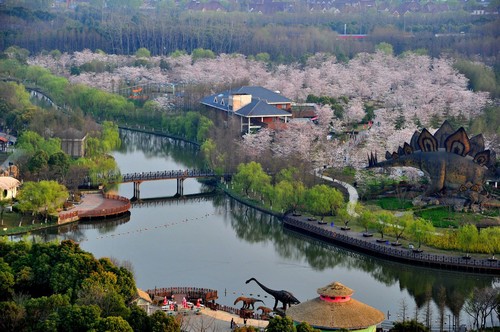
pixel 335 309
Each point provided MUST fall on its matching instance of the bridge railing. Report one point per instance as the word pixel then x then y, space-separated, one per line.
pixel 171 174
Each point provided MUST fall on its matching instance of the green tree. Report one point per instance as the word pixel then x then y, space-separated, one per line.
pixel 139 320
pixel 43 196
pixel 160 322
pixel 400 224
pixel 200 53
pixel 38 162
pixel 78 318
pixel 467 237
pixel 101 288
pixel 263 57
pixel 41 312
pixel 322 200
pixel 366 218
pixel 421 230
pixel 18 53
pixel 12 316
pixel 59 163
pixel 409 325
pixel 385 48
pixel 112 323
pixel 6 281
pixel 31 142
pixel 382 221
pixel 143 53
pixel 490 238
pixel 251 176
pixel 281 324
pixel 305 327
pixel 289 189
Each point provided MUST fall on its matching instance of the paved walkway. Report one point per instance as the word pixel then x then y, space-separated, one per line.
pixel 353 193
pixel 95 205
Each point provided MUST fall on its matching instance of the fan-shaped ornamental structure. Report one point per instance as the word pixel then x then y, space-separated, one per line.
pixel 455 164
pixel 335 309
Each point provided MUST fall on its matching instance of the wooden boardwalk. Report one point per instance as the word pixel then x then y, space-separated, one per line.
pixel 96 205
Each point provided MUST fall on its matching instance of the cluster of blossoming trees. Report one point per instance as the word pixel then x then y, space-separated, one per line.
pixel 414 90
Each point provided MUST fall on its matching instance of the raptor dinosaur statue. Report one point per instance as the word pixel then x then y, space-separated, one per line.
pixel 248 302
pixel 283 296
pixel 453 162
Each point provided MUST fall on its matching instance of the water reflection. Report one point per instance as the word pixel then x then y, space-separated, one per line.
pixel 76 231
pixel 156 146
pixel 444 288
pixel 225 242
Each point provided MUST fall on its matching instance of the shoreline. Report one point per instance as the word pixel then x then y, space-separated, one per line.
pixel 381 251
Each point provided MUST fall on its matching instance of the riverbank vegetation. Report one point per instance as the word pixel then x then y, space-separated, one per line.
pixel 284 193
pixel 59 287
pixel 304 146
pixel 163 28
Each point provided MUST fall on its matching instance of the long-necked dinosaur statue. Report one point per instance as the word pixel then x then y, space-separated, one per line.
pixel 283 296
pixel 248 302
pixel 453 162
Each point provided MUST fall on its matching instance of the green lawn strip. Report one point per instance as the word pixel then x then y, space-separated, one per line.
pixel 391 203
pixel 11 226
pixel 444 217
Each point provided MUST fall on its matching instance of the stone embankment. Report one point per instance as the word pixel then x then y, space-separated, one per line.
pixel 387 250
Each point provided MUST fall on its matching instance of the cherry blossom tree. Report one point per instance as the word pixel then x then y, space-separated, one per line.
pixel 411 90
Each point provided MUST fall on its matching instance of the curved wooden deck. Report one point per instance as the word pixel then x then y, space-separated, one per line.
pixel 96 206
pixel 369 245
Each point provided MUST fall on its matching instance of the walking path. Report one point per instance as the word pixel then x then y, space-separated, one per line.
pixel 389 250
pixel 95 205
pixel 353 193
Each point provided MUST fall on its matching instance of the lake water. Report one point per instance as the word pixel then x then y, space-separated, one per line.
pixel 218 243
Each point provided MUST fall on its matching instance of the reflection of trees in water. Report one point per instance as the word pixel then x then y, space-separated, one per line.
pixel 154 146
pixel 174 200
pixel 76 232
pixel 104 226
pixel 422 284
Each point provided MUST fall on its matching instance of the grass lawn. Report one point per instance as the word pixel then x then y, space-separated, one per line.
pixel 443 217
pixel 11 222
pixel 391 203
pixel 346 174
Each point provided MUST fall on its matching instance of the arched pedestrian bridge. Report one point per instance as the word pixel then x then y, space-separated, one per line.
pixel 179 175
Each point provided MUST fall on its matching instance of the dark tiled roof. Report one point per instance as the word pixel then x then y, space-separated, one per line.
pixel 71 133
pixel 261 104
pixel 262 93
pixel 260 108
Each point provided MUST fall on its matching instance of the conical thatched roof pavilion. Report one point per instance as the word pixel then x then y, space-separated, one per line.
pixel 335 309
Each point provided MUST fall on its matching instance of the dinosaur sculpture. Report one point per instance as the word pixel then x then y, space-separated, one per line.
pixel 248 302
pixel 283 296
pixel 452 161
pixel 265 310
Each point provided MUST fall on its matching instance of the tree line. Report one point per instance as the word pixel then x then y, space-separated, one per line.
pixel 60 287
pixel 286 193
pixel 286 37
